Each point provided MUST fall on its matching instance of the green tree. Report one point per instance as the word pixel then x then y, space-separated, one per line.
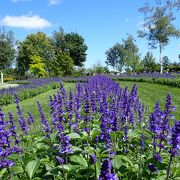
pixel 59 40
pixel 99 69
pixel 63 64
pixel 115 57
pixel 131 54
pixel 75 45
pixel 37 67
pixel 158 25
pixel 7 50
pixel 72 43
pixel 148 62
pixel 124 55
pixel 166 62
pixel 35 44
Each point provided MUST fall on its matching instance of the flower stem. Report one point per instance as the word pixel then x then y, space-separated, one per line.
pixel 169 167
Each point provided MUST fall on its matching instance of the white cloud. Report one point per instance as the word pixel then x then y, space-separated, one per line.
pixel 25 21
pixel 16 1
pixel 54 2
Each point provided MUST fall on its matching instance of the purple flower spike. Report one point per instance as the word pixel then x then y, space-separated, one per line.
pixel 30 118
pixel 93 158
pixel 152 168
pixel 44 121
pixel 175 139
pixel 60 160
pixel 106 171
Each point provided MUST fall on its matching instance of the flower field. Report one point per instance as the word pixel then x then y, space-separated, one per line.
pixel 98 130
pixel 27 89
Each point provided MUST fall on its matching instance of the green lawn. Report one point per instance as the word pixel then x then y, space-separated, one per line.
pixel 31 104
pixel 150 93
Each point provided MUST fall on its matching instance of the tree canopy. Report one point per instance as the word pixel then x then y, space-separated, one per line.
pixel 158 24
pixel 37 67
pixel 7 50
pixel 35 44
pixel 148 62
pixel 124 55
pixel 74 44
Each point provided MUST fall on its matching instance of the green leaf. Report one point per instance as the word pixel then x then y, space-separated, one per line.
pixel 98 168
pixel 120 158
pixel 15 157
pixel 94 133
pixel 55 172
pixel 74 136
pixel 32 167
pixel 17 170
pixel 2 172
pixel 76 149
pixel 67 167
pixel 40 145
pixel 53 136
pixel 85 135
pixel 117 162
pixel 79 160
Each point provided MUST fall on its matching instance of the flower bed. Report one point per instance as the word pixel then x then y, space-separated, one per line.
pixel 97 131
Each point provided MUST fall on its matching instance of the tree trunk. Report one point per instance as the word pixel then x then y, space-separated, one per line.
pixel 161 59
pixel 2 81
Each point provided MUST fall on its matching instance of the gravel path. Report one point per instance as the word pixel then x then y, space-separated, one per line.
pixel 4 85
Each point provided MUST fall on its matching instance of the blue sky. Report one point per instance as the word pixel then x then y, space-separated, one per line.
pixel 102 23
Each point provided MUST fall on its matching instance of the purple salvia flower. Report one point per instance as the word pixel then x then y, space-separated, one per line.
pixel 158 157
pixel 106 171
pixel 93 158
pixel 152 168
pixel 12 129
pixel 21 119
pixel 65 145
pixel 175 139
pixel 69 108
pixel 60 160
pixel 5 163
pixel 44 121
pixel 30 118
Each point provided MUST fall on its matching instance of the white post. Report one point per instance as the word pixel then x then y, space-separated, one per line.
pixel 2 77
pixel 161 58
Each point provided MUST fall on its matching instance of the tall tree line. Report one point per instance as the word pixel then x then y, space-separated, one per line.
pixel 41 55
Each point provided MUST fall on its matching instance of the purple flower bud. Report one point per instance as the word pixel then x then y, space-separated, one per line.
pixel 93 158
pixel 175 139
pixel 60 160
pixel 152 167
pixel 158 157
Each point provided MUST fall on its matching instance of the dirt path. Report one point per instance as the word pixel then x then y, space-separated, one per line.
pixel 4 85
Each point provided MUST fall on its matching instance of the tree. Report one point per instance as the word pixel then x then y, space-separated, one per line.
pixel 35 44
pixel 59 40
pixel 148 62
pixel 124 55
pixel 63 64
pixel 131 54
pixel 7 50
pixel 74 44
pixel 98 69
pixel 158 25
pixel 114 57
pixel 166 61
pixel 37 67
